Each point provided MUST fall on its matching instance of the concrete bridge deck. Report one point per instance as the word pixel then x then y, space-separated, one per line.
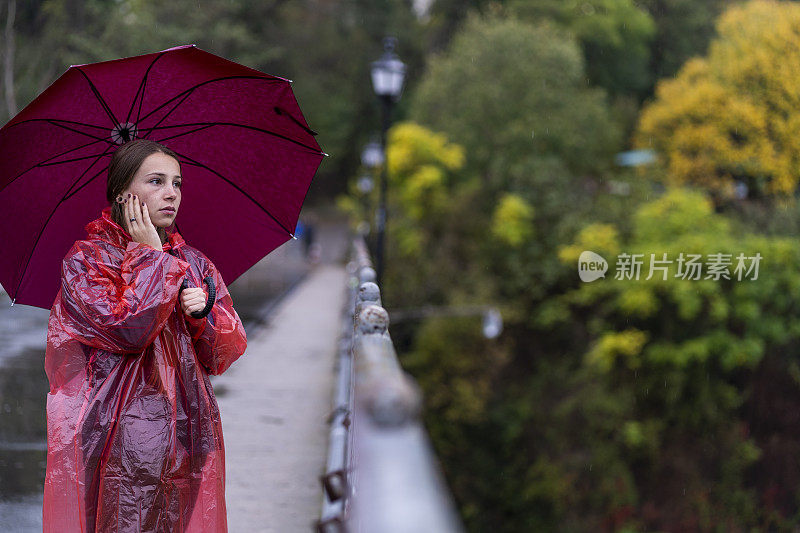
pixel 274 403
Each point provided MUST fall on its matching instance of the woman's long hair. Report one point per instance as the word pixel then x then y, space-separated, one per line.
pixel 124 164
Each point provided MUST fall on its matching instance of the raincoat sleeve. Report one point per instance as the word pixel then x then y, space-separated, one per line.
pixel 119 307
pixel 219 337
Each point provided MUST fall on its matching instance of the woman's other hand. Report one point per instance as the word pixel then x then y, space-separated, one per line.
pixel 193 299
pixel 141 228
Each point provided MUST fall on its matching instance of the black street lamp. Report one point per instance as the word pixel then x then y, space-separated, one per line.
pixel 387 80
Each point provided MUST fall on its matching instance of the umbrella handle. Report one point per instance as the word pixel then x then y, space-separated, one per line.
pixel 212 296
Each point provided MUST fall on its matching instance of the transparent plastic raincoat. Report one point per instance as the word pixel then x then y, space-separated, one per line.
pixel 134 439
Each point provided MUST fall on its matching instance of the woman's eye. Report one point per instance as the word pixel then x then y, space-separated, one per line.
pixel 178 183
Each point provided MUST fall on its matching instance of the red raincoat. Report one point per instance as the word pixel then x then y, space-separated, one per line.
pixel 134 439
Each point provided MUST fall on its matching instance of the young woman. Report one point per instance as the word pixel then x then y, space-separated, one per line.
pixel 134 439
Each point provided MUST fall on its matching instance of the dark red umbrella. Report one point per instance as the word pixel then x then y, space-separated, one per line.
pixel 247 158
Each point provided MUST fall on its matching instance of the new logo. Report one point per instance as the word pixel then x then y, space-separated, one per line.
pixel 591 266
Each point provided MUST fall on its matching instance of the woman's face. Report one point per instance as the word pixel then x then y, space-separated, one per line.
pixel 157 183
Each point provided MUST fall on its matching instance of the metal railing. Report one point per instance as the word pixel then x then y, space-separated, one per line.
pixel 381 475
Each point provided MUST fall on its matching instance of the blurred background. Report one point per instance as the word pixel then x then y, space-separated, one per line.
pixel 527 132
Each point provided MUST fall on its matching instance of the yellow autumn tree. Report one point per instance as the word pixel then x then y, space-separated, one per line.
pixel 734 115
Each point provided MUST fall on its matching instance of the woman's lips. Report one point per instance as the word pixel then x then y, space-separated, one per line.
pixel 169 211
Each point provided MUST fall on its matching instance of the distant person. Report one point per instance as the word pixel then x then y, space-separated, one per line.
pixel 308 235
pixel 313 249
pixel 134 437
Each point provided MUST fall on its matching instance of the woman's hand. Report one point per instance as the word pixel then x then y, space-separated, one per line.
pixel 193 299
pixel 141 229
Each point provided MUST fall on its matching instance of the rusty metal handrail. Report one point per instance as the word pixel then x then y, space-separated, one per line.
pixel 382 474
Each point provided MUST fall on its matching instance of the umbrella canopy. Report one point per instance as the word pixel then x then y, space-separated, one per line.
pixel 246 152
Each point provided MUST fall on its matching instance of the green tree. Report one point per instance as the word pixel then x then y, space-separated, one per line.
pixel 514 96
pixel 509 91
pixel 683 352
pixel 683 30
pixel 615 37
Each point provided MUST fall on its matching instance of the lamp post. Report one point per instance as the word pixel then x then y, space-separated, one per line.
pixel 364 187
pixel 387 80
pixel 372 155
pixel 371 158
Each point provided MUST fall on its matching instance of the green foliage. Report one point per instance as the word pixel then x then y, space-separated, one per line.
pixel 431 216
pixel 445 17
pixel 614 35
pixel 618 403
pixel 676 214
pixel 512 220
pixel 681 346
pixel 525 84
pixel 683 30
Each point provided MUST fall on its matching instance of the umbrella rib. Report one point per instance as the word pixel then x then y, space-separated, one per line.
pixel 199 164
pixel 136 96
pixel 316 151
pixel 53 212
pixel 150 129
pixel 190 89
pixel 141 88
pixel 70 194
pixel 99 98
pixel 282 111
pixel 58 120
pixel 41 163
pixel 80 132
pixel 184 133
pixel 87 182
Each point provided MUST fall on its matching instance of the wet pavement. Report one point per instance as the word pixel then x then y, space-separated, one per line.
pixel 23 429
pixel 275 403
pixel 24 386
